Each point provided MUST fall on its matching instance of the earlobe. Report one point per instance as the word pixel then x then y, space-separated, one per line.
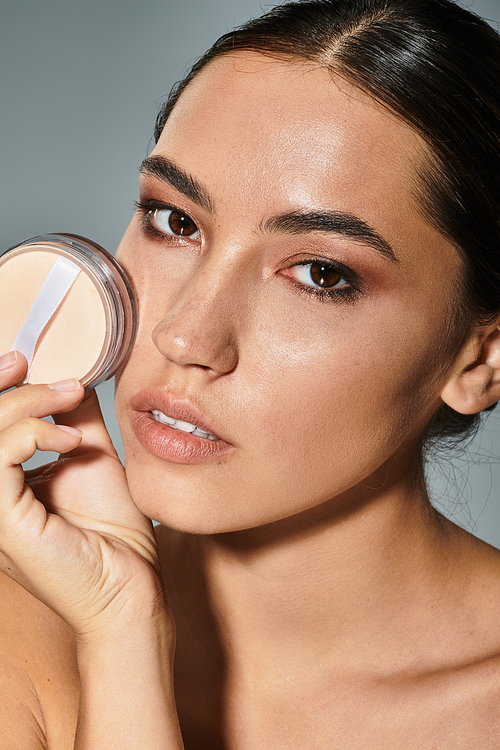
pixel 474 383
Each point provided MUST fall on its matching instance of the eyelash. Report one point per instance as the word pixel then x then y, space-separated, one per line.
pixel 343 294
pixel 147 208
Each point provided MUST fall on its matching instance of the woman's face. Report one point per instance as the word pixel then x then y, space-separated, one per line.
pixel 293 302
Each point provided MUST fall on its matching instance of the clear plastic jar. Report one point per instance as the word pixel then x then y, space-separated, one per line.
pixel 76 318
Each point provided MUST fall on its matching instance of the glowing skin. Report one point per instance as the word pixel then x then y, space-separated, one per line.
pixel 314 400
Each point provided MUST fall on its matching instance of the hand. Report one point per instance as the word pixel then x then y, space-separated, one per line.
pixel 70 532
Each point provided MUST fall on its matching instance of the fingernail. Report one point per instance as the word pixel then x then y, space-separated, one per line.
pixel 7 360
pixel 69 430
pixel 64 385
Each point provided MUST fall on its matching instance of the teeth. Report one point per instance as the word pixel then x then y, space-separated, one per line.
pixel 183 426
pixel 178 424
pixel 161 417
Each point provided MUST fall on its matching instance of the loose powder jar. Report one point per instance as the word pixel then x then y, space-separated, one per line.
pixel 67 305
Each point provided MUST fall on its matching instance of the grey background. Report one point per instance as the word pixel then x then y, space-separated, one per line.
pixel 80 85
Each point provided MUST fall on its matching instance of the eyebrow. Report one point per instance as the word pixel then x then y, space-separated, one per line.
pixel 295 222
pixel 168 171
pixel 335 222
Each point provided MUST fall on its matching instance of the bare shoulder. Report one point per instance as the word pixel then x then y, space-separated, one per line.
pixel 464 688
pixel 38 674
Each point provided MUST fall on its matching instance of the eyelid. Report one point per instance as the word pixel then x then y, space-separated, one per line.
pixel 314 285
pixel 153 204
pixel 173 200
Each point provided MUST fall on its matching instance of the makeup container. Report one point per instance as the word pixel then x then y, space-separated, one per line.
pixel 68 306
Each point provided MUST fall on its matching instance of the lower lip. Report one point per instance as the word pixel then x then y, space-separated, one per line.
pixel 174 445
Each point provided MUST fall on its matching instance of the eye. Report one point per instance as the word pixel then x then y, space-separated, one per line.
pixel 318 275
pixel 171 221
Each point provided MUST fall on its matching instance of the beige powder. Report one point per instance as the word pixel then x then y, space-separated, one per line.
pixel 72 342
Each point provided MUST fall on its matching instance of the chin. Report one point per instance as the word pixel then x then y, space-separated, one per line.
pixel 192 511
pixel 182 510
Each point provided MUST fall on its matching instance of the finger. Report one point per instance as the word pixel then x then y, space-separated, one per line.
pixel 39 401
pixel 13 367
pixel 87 418
pixel 19 442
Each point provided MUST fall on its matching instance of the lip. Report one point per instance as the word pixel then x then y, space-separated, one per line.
pixel 167 443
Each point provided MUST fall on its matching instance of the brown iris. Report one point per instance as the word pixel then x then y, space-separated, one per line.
pixel 181 224
pixel 324 275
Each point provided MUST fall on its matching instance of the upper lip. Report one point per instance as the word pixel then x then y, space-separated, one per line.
pixel 172 406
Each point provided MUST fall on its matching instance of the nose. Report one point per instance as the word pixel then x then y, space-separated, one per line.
pixel 200 329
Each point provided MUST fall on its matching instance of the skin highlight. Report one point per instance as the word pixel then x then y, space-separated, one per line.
pixel 224 324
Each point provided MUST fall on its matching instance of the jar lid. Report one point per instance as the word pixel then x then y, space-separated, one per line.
pixel 68 306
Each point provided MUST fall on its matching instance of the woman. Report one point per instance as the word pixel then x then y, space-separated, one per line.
pixel 314 258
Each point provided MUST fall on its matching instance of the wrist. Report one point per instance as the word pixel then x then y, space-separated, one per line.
pixel 130 621
pixel 126 686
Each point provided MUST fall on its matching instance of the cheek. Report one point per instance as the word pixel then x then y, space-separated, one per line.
pixel 309 392
pixel 326 395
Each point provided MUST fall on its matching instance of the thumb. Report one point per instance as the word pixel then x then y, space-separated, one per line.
pixel 87 417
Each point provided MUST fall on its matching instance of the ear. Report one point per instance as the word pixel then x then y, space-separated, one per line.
pixel 474 382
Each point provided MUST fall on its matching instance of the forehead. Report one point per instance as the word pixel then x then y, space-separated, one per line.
pixel 269 114
pixel 270 136
pixel 251 101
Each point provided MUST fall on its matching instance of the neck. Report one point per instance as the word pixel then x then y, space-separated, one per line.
pixel 328 581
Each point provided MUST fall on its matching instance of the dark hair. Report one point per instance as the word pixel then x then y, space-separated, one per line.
pixel 437 67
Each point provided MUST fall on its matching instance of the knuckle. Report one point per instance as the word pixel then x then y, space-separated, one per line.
pixel 12 374
pixel 30 401
pixel 19 431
